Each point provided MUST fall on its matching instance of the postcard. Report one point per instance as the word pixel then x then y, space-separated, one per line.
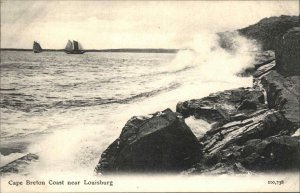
pixel 150 96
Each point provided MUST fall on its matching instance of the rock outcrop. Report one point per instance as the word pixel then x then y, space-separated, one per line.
pixel 259 125
pixel 223 107
pixel 161 143
pixel 283 94
pixel 263 57
pixel 272 154
pixel 263 69
pixel 262 61
pixel 18 165
pixel 288 53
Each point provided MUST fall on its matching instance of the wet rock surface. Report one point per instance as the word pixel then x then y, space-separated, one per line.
pixel 262 58
pixel 18 165
pixel 262 62
pixel 263 69
pixel 161 143
pixel 222 107
pixel 260 125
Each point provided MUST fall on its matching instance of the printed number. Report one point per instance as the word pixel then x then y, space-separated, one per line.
pixel 278 182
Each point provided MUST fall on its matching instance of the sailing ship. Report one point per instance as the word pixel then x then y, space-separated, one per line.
pixel 73 47
pixel 36 47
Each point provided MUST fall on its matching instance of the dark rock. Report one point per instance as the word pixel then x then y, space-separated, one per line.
pixel 297 133
pixel 263 61
pixel 272 154
pixel 223 107
pixel 239 168
pixel 263 57
pixel 264 69
pixel 162 143
pixel 260 125
pixel 268 30
pixel 246 104
pixel 18 165
pixel 288 53
pixel 219 169
pixel 224 145
pixel 283 94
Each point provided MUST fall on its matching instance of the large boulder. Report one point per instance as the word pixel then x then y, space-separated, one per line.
pixel 288 53
pixel 272 154
pixel 283 94
pixel 222 107
pixel 161 143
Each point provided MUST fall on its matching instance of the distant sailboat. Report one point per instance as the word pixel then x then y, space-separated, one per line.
pixel 74 48
pixel 36 47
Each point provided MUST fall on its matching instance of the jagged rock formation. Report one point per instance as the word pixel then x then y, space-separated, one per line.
pixel 161 143
pixel 263 57
pixel 263 140
pixel 222 107
pixel 263 69
pixel 263 62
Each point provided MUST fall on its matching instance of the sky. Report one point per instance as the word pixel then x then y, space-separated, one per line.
pixel 127 24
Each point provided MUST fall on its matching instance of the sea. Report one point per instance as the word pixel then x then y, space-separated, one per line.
pixel 68 109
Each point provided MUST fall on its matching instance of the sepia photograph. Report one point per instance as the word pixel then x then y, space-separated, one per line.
pixel 150 96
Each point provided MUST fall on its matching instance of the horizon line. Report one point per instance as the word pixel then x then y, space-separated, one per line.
pixel 153 50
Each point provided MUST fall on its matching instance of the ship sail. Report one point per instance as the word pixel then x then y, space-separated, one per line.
pixel 69 46
pixel 74 47
pixel 80 47
pixel 37 47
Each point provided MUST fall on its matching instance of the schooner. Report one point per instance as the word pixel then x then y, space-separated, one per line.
pixel 73 47
pixel 36 47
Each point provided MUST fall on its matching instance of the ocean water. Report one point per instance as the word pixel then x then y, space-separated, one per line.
pixel 68 108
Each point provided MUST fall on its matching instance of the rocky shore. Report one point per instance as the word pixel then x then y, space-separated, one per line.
pixel 253 129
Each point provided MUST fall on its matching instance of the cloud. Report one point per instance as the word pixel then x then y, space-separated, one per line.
pixel 105 24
